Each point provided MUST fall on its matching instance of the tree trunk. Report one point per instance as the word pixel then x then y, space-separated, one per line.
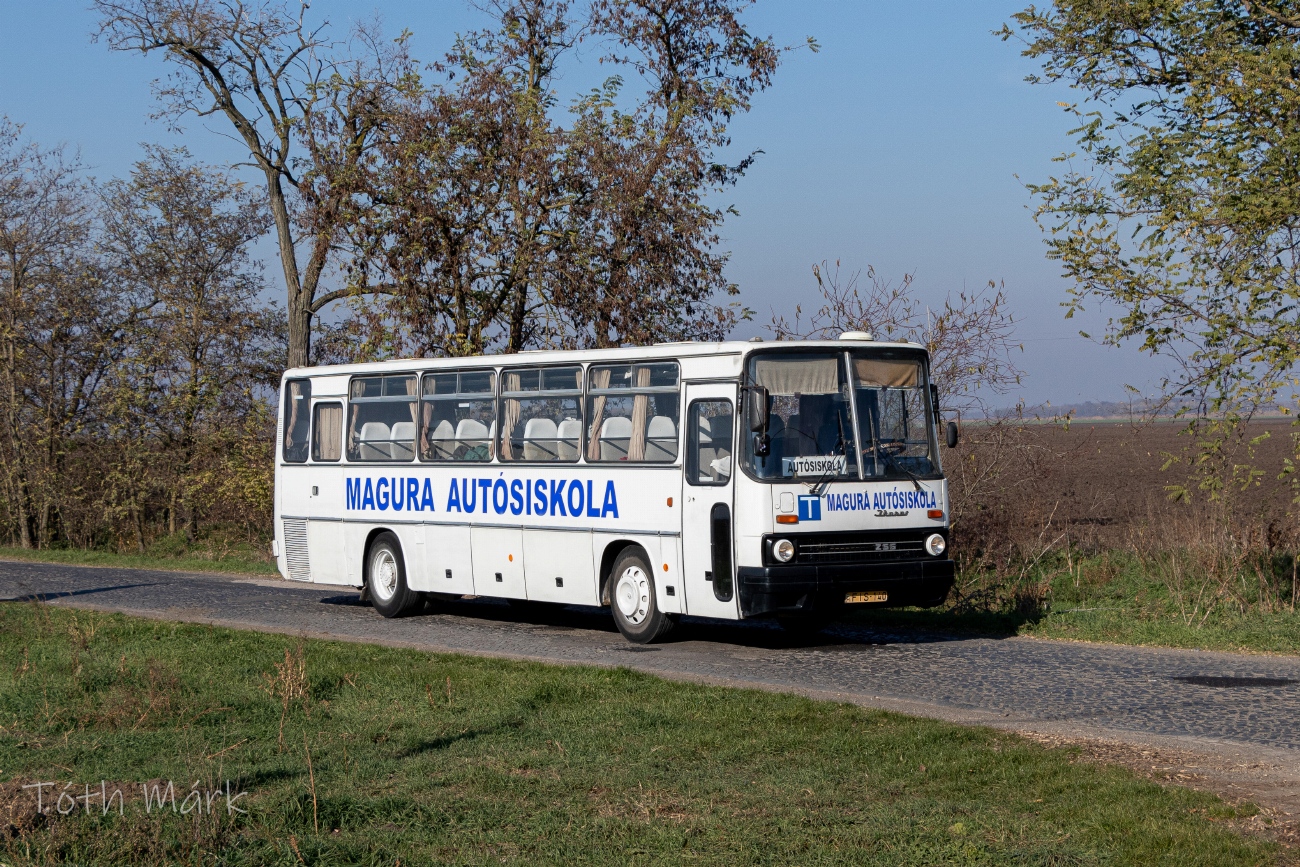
pixel 299 296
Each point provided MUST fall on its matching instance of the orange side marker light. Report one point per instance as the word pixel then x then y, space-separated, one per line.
pixel 665 567
pixel 670 502
pixel 787 519
pixel 935 514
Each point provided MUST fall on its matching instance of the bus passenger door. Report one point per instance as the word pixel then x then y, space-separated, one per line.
pixel 708 558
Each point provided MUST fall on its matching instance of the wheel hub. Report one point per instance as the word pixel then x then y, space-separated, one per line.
pixel 383 575
pixel 632 594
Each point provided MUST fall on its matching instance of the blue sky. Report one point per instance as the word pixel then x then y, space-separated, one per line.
pixel 898 145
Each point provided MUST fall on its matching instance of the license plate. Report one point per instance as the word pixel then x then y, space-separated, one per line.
pixel 867 596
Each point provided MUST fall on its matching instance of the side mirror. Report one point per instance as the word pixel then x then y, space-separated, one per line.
pixel 757 411
pixel 952 435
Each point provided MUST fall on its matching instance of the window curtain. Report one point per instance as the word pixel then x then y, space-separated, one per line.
pixel 411 391
pixel 511 419
pixel 599 379
pixel 329 432
pixel 640 409
pixel 883 372
pixel 426 425
pixel 353 431
pixel 798 376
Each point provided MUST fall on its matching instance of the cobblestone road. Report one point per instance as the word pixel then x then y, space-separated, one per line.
pixel 1134 694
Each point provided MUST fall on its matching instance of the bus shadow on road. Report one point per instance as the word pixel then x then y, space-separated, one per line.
pixel 764 634
pixel 67 594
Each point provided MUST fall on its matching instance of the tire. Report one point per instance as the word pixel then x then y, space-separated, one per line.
pixel 632 599
pixel 386 578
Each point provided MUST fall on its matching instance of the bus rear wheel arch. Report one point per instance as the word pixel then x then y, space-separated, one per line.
pixel 632 597
pixel 386 577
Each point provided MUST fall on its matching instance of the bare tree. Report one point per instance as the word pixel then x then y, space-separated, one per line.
pixel 265 70
pixel 970 336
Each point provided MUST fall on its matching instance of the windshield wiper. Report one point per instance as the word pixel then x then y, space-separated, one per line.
pixel 878 452
pixel 840 447
pixel 829 471
pixel 916 480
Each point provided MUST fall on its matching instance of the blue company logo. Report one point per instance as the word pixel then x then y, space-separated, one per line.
pixel 810 508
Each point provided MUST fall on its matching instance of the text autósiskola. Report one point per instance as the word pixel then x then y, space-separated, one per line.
pixel 573 498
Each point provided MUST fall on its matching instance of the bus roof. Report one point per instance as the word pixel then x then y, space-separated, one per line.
pixel 685 349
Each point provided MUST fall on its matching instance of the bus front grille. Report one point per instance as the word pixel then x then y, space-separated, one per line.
pixel 857 552
pixel 869 546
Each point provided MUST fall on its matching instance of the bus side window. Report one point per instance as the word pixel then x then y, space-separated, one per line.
pixel 297 403
pixel 458 416
pixel 633 413
pixel 541 415
pixel 382 415
pixel 327 432
pixel 708 442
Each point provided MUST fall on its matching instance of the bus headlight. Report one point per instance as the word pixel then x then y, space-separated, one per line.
pixel 783 550
pixel 935 545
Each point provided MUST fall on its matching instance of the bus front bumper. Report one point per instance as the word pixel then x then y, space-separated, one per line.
pixel 795 589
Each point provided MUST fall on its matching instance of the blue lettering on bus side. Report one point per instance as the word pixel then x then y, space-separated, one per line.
pixel 609 509
pixel 575 509
pixel 569 498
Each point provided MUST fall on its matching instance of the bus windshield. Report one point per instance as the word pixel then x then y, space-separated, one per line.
pixel 843 415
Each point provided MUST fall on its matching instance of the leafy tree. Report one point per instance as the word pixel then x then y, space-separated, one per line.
pixel 267 71
pixel 205 350
pixel 501 222
pixel 59 326
pixel 1182 203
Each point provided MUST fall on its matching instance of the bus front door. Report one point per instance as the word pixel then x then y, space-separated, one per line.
pixel 708 501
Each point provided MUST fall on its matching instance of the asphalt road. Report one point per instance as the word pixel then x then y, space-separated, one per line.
pixel 1245 705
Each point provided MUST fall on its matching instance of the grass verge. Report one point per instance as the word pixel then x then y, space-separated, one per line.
pixel 1111 597
pixel 242 560
pixel 366 755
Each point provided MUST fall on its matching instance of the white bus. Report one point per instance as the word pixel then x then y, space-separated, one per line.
pixel 623 478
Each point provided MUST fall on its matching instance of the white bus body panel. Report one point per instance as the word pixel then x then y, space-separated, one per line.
pixel 498 562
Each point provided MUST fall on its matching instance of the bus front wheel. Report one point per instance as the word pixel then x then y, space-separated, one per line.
pixel 386 578
pixel 632 599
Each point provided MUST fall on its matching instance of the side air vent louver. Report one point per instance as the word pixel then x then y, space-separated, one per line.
pixel 295 549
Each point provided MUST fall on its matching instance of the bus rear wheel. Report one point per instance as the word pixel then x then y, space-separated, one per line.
pixel 386 578
pixel 632 599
